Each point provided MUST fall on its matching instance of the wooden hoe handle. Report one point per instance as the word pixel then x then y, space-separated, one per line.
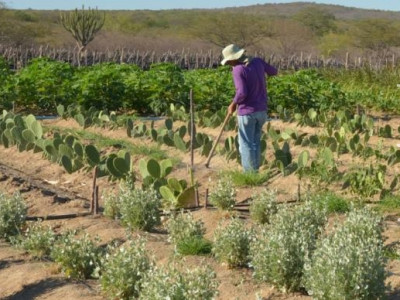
pixel 217 140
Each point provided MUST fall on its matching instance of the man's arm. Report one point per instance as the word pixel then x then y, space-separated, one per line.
pixel 270 70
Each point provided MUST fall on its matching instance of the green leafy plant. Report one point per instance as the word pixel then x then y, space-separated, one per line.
pixel 322 170
pixel 389 203
pixel 330 202
pixel 164 84
pixel 349 263
pixel 263 206
pixel 154 173
pixel 177 282
pixel 123 269
pixel 280 251
pixel 77 256
pixel 12 215
pixel 305 89
pixel 176 194
pixel 240 179
pixel 7 84
pixel 366 181
pixel 101 86
pixel 44 84
pixel 194 246
pixel 392 251
pixel 232 243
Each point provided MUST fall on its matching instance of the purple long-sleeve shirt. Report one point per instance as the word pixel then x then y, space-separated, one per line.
pixel 251 89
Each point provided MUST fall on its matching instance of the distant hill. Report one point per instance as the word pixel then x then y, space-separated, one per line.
pixel 340 12
pixel 179 29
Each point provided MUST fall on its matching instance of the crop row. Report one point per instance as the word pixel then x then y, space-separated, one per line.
pixel 44 84
pixel 339 133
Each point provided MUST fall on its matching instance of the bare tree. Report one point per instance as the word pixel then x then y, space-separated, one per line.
pixel 225 28
pixel 292 37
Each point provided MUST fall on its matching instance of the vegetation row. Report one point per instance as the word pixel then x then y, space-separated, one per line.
pixel 45 84
pixel 290 247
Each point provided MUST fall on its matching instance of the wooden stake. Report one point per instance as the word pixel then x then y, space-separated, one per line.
pixel 298 192
pixel 93 202
pixel 96 201
pixel 206 202
pixel 192 130
pixel 192 139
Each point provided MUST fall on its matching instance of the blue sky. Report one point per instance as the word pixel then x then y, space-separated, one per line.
pixel 184 4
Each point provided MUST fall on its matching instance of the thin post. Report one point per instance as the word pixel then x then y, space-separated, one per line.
pixel 96 201
pixel 192 129
pixel 298 192
pixel 206 202
pixel 93 204
pixel 192 139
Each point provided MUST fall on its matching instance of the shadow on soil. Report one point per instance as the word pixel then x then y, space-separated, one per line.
pixel 33 290
pixel 395 295
pixel 6 263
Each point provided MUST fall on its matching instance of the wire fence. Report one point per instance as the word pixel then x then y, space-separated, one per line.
pixel 20 57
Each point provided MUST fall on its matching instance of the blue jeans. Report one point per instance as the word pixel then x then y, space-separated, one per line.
pixel 250 129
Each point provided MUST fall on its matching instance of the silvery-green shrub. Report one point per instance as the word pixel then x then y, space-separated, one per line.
pixel 38 239
pixel 12 215
pixel 223 196
pixel 183 226
pixel 280 250
pixel 263 206
pixel 123 269
pixel 140 209
pixel 77 256
pixel 349 263
pixel 232 243
pixel 111 205
pixel 171 282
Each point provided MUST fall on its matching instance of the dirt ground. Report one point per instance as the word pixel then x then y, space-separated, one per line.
pixel 49 190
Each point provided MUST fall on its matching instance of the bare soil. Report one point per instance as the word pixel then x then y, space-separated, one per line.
pixel 49 190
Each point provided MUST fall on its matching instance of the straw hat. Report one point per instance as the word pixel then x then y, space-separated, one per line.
pixel 231 52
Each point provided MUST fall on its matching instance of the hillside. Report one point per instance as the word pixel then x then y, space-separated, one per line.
pixel 340 12
pixel 268 28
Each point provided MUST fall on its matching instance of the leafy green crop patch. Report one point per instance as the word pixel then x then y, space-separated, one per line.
pixel 103 141
pixel 241 179
pixel 390 203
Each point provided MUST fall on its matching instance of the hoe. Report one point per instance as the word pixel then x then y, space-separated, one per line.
pixel 217 140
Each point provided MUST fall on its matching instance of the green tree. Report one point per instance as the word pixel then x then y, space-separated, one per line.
pixel 318 20
pixel 375 34
pixel 333 44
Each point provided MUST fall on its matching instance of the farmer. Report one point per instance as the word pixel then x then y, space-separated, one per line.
pixel 250 100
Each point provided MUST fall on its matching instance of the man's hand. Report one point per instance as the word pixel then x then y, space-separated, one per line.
pixel 232 108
